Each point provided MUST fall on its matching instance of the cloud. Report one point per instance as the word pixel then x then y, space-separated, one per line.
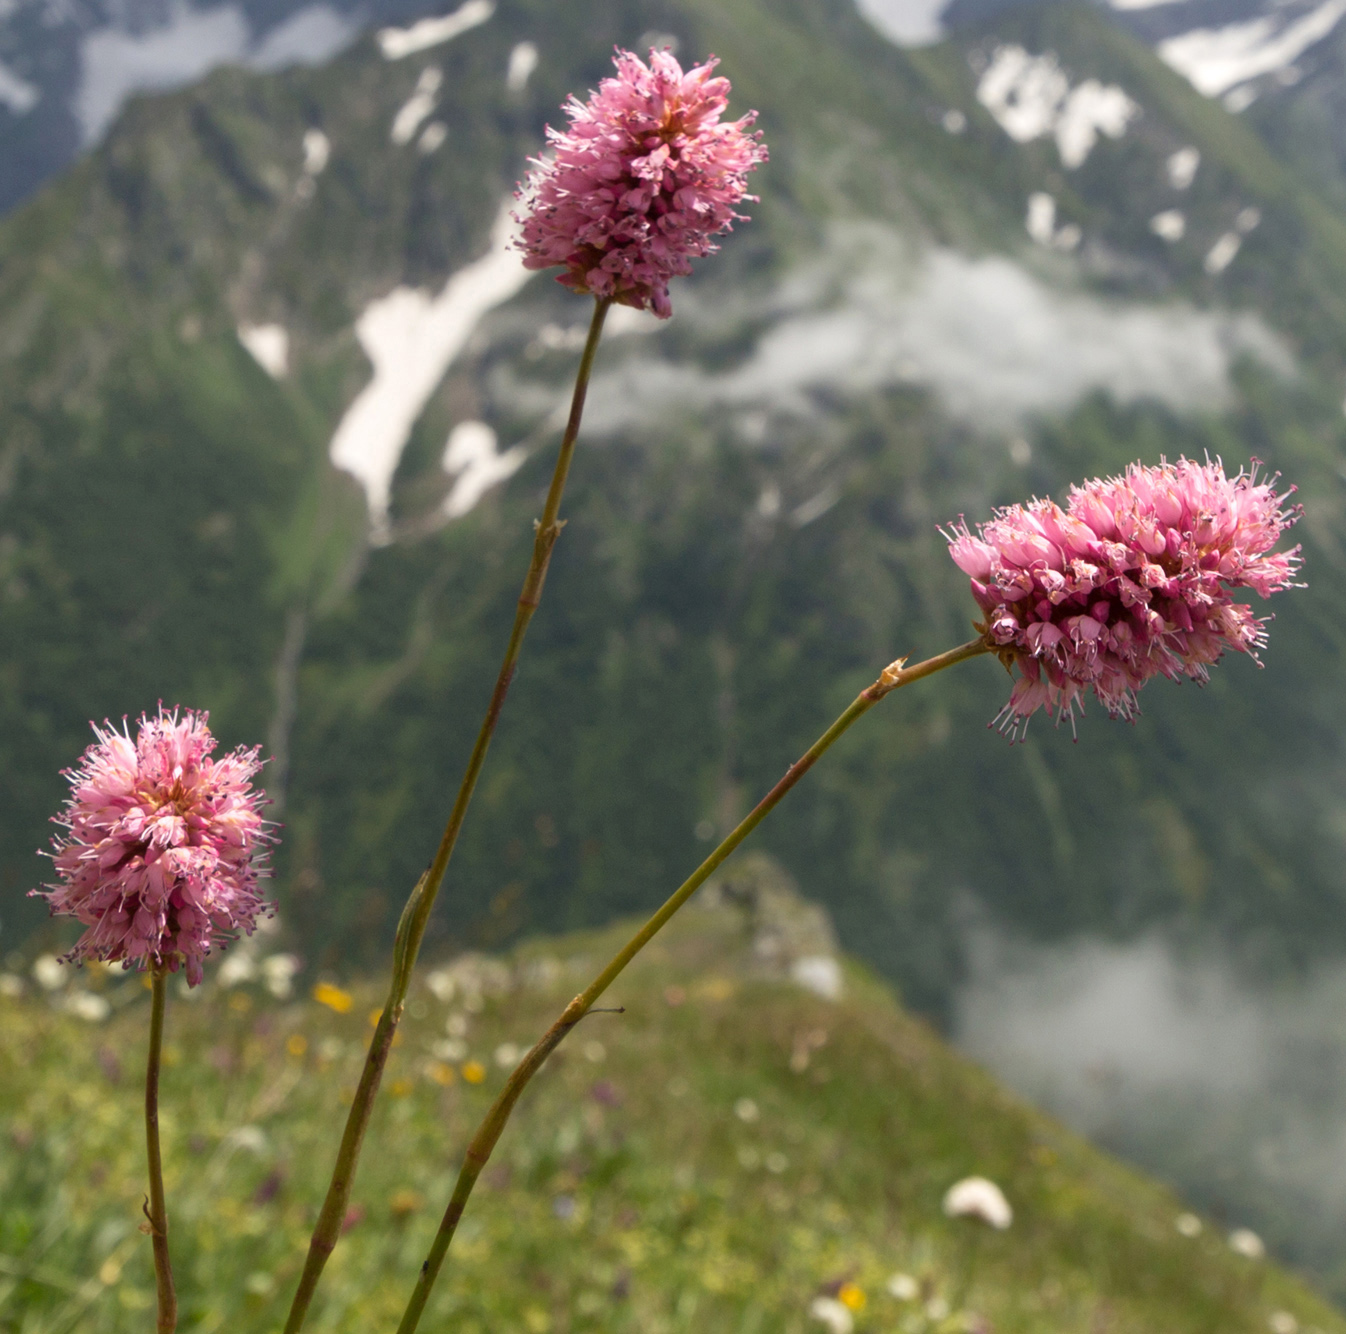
pixel 192 42
pixel 906 22
pixel 117 63
pixel 17 94
pixel 310 37
pixel 994 343
pixel 1234 1089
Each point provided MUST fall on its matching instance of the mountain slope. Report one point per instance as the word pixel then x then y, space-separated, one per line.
pixel 717 1157
pixel 952 294
pixel 753 514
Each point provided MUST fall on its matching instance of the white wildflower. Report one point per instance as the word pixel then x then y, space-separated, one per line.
pixel 976 1197
pixel 48 973
pixel 85 1005
pixel 832 1314
pixel 278 972
pixel 904 1287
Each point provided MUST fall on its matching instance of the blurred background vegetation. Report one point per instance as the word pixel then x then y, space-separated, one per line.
pixel 752 518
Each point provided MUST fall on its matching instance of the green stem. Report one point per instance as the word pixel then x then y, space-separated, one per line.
pixel 156 1211
pixel 416 914
pixel 490 1130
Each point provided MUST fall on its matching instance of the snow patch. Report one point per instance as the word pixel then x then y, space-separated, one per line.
pixel 522 63
pixel 471 458
pixel 117 63
pixel 312 36
pixel 398 43
pixel 1214 60
pixel 1031 97
pixel 191 42
pixel 815 507
pixel 905 22
pixel 1041 219
pixel 317 151
pixel 1170 225
pixel 1040 223
pixel 1091 109
pixel 269 345
pixel 1024 93
pixel 412 337
pixel 418 106
pixel 17 94
pixel 1181 167
pixel 1221 255
pixel 432 137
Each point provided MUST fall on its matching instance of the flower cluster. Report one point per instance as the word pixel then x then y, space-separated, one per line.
pixel 640 182
pixel 1131 580
pixel 164 845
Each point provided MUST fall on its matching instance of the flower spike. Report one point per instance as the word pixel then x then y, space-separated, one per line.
pixel 164 845
pixel 1131 580
pixel 638 185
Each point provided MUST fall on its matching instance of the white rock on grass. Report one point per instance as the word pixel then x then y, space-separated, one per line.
pixel 978 1197
pixel 49 973
pixel 818 973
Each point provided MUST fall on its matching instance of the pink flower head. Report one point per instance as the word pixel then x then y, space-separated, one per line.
pixel 164 845
pixel 643 178
pixel 1131 580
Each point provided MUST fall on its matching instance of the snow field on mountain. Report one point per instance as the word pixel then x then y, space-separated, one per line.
pixel 1031 97
pixel 412 338
pixel 1215 60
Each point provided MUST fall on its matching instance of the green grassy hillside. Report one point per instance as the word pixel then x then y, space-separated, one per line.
pixel 715 1158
